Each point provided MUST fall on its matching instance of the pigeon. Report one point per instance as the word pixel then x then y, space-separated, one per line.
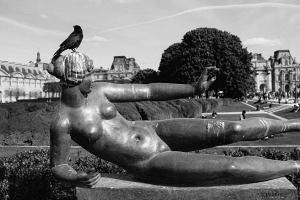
pixel 72 42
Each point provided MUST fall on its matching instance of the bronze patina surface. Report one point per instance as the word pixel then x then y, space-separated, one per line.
pixel 156 150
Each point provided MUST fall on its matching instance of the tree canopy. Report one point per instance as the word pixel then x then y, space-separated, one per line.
pixel 52 87
pixel 145 76
pixel 203 47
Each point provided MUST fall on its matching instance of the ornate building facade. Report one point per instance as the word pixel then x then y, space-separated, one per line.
pixel 122 68
pixel 280 72
pixel 263 78
pixel 26 81
pixel 23 81
pixel 285 73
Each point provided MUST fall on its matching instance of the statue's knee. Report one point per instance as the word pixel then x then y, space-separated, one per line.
pixel 60 124
pixel 237 128
pixel 233 169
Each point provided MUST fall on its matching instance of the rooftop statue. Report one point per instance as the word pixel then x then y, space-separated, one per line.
pixel 158 150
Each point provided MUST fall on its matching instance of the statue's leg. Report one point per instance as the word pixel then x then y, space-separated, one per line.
pixel 193 134
pixel 182 167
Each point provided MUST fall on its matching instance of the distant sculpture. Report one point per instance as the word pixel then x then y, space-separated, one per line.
pixel 154 151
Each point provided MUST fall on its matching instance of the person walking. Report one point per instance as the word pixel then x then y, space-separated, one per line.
pixel 243 115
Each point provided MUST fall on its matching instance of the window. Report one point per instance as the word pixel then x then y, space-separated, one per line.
pixel 279 77
pixel 10 69
pixel 4 68
pixel 286 77
pixel 294 77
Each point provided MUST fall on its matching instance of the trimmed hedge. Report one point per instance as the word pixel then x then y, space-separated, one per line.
pixel 23 121
pixel 27 175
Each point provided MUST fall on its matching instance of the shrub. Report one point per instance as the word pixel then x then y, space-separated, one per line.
pixel 28 176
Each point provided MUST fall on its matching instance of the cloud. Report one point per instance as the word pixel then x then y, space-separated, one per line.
pixel 205 8
pixel 44 16
pixel 96 39
pixel 95 1
pixel 262 41
pixel 31 28
pixel 115 1
pixel 124 1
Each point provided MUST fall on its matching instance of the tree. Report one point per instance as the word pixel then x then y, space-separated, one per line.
pixel 203 47
pixel 52 87
pixel 145 76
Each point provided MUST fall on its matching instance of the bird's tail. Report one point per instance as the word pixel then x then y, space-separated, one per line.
pixel 56 55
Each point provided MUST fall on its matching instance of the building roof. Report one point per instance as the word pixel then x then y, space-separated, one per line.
pixel 12 68
pixel 121 63
pixel 281 54
pixel 257 57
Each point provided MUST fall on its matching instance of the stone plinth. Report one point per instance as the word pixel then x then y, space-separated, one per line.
pixel 119 187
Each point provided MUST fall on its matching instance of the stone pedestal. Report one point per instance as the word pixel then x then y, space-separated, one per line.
pixel 119 187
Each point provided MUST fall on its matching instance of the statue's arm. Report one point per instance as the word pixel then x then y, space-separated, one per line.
pixel 153 91
pixel 60 142
pixel 157 91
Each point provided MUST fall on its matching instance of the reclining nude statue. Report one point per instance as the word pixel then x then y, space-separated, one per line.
pixel 156 151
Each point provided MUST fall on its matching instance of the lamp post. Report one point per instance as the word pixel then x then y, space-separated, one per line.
pixel 296 85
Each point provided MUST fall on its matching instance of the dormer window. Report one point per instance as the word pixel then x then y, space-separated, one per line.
pixel 286 62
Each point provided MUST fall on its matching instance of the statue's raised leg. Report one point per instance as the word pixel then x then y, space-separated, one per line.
pixel 195 134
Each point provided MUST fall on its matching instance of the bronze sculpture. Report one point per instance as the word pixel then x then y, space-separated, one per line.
pixel 154 150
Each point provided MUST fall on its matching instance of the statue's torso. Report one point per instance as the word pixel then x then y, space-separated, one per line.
pixel 98 127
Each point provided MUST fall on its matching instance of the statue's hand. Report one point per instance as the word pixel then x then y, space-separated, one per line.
pixel 56 68
pixel 88 179
pixel 83 179
pixel 204 80
pixel 85 85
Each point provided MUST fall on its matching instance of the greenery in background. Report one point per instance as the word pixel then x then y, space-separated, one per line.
pixel 52 87
pixel 203 47
pixel 28 176
pixel 21 122
pixel 145 76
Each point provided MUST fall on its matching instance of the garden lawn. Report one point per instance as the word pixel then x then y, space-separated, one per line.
pixel 235 107
pixel 288 114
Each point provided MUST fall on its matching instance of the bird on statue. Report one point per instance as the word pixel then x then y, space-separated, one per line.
pixel 72 42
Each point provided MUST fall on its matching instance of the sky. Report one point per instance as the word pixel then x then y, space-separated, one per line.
pixel 142 29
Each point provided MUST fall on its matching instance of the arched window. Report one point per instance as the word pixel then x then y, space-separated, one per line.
pixel 286 77
pixel 24 72
pixel 10 69
pixel 4 68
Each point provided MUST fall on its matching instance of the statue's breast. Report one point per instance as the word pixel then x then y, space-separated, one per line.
pixel 85 125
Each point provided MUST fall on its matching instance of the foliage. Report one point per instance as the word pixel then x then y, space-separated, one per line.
pixel 203 47
pixel 28 176
pixel 52 87
pixel 145 76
